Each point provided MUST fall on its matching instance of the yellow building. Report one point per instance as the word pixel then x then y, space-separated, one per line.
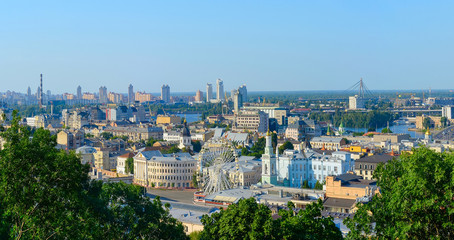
pixel 163 119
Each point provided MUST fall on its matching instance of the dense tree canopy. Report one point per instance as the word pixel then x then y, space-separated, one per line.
pixel 249 220
pixel 45 193
pixel 416 200
pixel 285 146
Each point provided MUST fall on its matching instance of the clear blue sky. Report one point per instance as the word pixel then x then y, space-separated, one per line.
pixel 268 45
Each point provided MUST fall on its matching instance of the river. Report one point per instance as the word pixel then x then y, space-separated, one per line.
pixel 394 129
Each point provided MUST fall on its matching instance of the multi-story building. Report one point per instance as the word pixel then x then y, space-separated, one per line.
pixel 142 132
pixel 293 167
pixel 366 166
pixel 75 119
pixel 279 113
pixel 165 93
pixel 88 96
pixel 220 90
pixel 344 191
pixel 103 95
pixel 153 169
pixel 115 97
pixel 79 92
pixel 237 101
pixel 209 92
pixel 143 97
pixel 243 91
pixel 328 143
pixel 130 94
pixel 121 162
pixel 447 112
pixel 355 102
pixel 68 140
pixel 255 121
pixel 166 119
pixel 198 96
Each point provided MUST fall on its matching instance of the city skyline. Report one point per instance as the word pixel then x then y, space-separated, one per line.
pixel 269 46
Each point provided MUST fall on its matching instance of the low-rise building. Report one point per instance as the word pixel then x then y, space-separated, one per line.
pixel 366 166
pixel 328 143
pixel 134 133
pixel 344 191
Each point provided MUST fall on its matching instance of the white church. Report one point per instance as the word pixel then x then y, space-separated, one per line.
pixel 293 167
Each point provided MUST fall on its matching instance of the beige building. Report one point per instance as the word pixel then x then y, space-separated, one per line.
pixel 344 191
pixel 153 169
pixel 88 96
pixel 393 137
pixel 161 119
pixel 435 122
pixel 142 132
pixel 143 97
pixel 68 140
pixel 328 143
pixel 366 166
pixel 102 159
pixel 254 121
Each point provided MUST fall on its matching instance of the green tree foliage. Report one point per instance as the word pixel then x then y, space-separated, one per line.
pixel 150 142
pixel 195 182
pixel 106 135
pixel 245 151
pixel 45 193
pixel 305 184
pixel 172 149
pixel 416 200
pixel 274 140
pixel 129 168
pixel 285 146
pixel 250 220
pixel 318 185
pixel 258 148
pixel 444 121
pixel 356 119
pixel 196 146
pixel 386 130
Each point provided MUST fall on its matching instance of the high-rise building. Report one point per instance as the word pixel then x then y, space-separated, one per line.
pixel 29 91
pixel 243 91
pixel 103 94
pixel 447 112
pixel 198 96
pixel 209 92
pixel 143 97
pixel 131 97
pixel 220 90
pixel 79 92
pixel 237 101
pixel 165 93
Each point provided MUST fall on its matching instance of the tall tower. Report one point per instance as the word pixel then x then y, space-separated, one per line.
pixel 269 171
pixel 131 97
pixel 243 91
pixel 41 91
pixel 165 93
pixel 220 90
pixel 103 94
pixel 237 101
pixel 79 92
pixel 209 92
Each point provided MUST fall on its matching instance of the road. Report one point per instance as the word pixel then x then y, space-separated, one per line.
pixel 185 196
pixel 445 134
